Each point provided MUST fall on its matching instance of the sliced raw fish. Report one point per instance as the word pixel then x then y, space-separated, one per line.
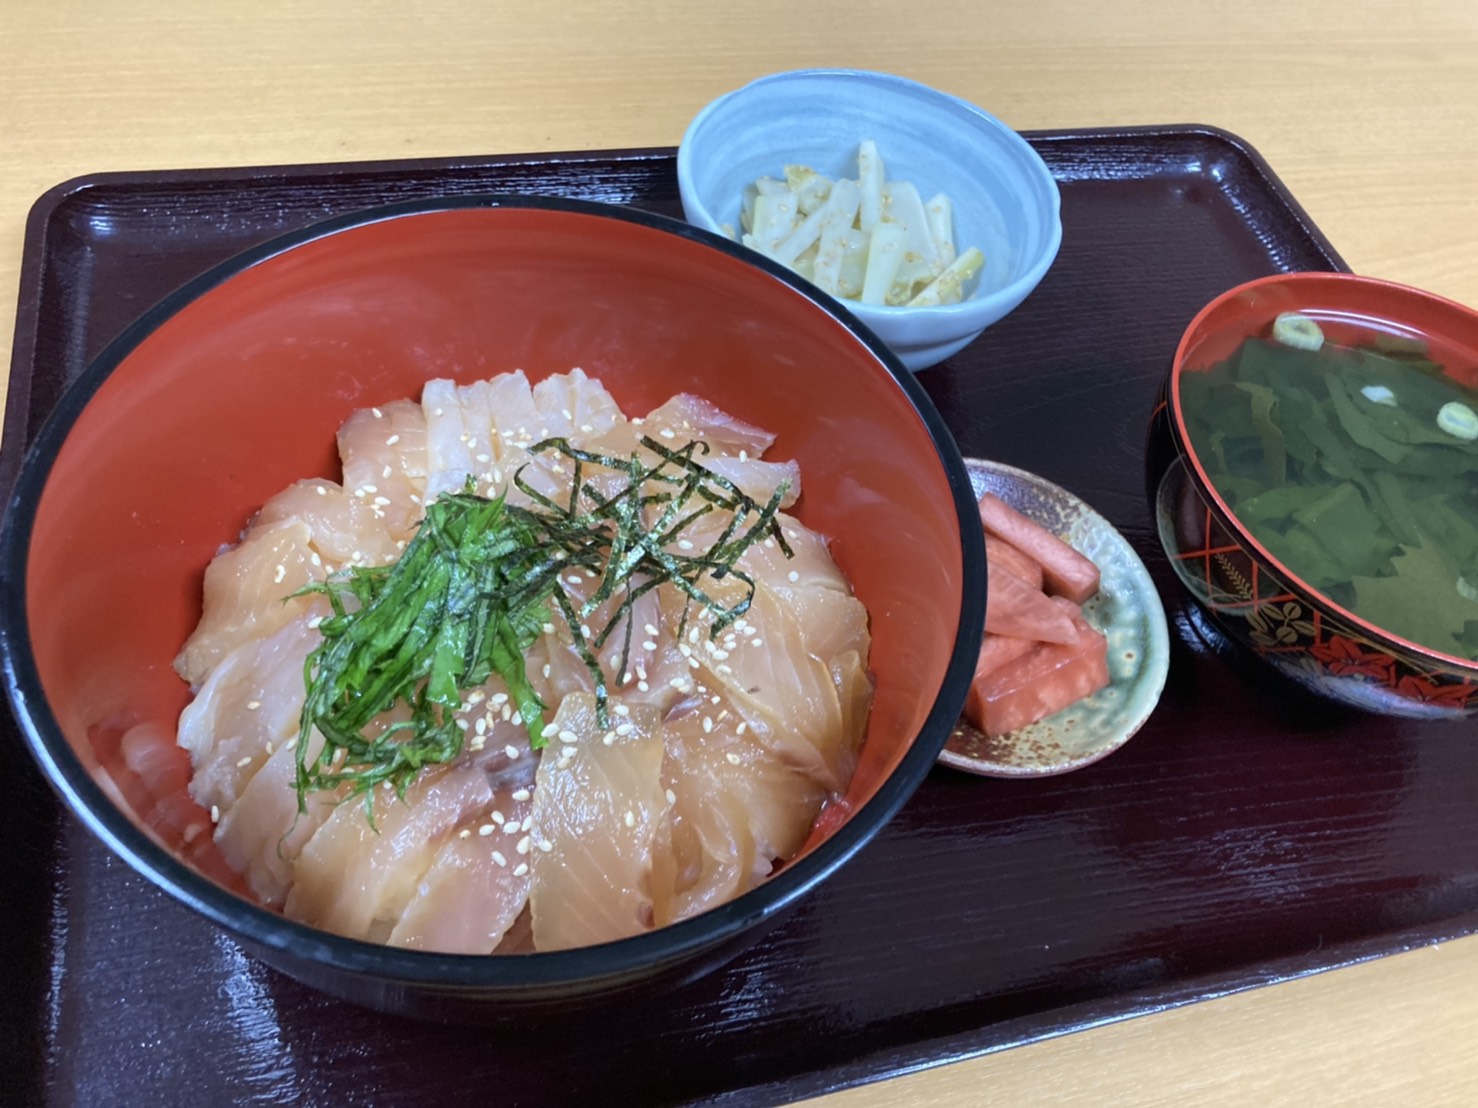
pixel 691 417
pixel 247 708
pixel 737 807
pixel 384 454
pixel 758 480
pixel 598 805
pixel 354 878
pixel 344 528
pixel 473 892
pixel 249 594
pixel 575 406
pixel 262 834
pixel 784 692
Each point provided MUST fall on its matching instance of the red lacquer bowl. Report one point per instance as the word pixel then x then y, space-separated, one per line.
pixel 1252 596
pixel 233 387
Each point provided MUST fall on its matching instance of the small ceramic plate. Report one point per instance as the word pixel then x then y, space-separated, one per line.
pixel 1127 610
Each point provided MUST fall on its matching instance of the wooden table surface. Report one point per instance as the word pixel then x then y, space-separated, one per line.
pixel 1368 111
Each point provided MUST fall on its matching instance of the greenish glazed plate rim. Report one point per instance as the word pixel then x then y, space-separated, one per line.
pixel 1127 609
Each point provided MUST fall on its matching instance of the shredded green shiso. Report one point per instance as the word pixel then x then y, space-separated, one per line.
pixel 475 587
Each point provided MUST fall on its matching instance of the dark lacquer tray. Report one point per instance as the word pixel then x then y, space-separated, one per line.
pixel 1246 835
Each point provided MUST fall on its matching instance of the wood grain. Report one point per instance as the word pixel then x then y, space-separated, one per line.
pixel 1368 112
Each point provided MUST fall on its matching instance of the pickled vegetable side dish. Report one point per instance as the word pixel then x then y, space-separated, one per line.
pixel 1356 466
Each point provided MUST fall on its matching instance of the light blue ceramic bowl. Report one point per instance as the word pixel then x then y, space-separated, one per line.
pixel 1005 200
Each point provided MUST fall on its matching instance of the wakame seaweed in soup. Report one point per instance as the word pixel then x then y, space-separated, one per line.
pixel 1356 466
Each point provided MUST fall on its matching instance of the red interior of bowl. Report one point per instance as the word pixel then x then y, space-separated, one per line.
pixel 1346 308
pixel 240 393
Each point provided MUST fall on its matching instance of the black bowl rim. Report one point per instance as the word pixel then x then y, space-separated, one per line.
pixel 1431 658
pixel 590 965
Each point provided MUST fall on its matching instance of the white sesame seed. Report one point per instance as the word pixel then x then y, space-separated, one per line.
pixel 567 736
pixel 545 846
pixel 793 576
pixel 707 724
pixel 573 579
pixel 548 629
pixel 622 710
pixel 279 574
pixel 550 730
pixel 242 763
pixel 648 645
pixel 486 829
pixel 524 844
pixel 671 797
pixel 566 413
pixel 756 642
pixel 643 686
pixel 744 455
pixel 498 699
pixel 693 635
pixel 684 544
pixel 624 729
pixel 512 827
pixel 215 813
pixel 564 762
pixel 480 727
pixel 609 739
pixel 322 491
pixel 462 725
pixel 520 869
pixel 733 759
pixel 630 819
pixel 743 727
pixel 479 743
pixel 465 833
pixel 496 816
pixel 667 433
pixel 511 751
pixel 548 669
pixel 499 858
pixel 521 794
pixel 650 629
pixel 586 428
pixel 253 705
pixel 516 719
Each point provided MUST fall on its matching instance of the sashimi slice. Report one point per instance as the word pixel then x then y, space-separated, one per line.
pixel 355 879
pixel 1012 607
pixel 262 834
pixel 448 457
pixel 247 708
pixel 691 417
pixel 785 693
pixel 345 528
pixel 1040 683
pixel 575 406
pixel 249 594
pixel 1067 572
pixel 598 806
pixel 737 807
pixel 758 480
pixel 473 892
pixel 383 451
